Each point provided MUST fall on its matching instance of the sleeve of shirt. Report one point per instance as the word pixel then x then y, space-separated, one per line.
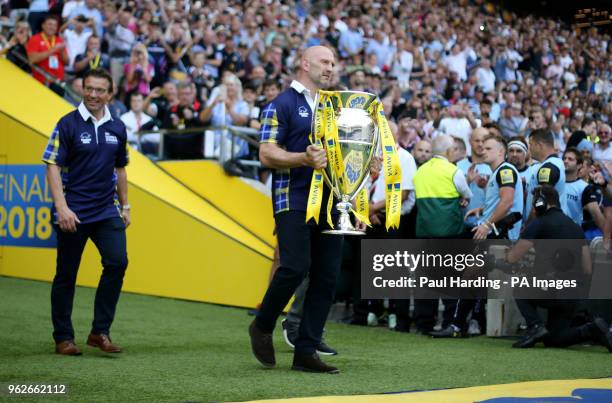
pixel 548 174
pixel 32 45
pixel 589 195
pixel 56 152
pixel 273 130
pixel 461 184
pixel 408 170
pixel 506 177
pixel 122 158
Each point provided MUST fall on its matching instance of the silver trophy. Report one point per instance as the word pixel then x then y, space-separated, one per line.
pixel 359 138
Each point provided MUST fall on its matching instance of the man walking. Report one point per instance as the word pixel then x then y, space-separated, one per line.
pixel 304 249
pixel 86 158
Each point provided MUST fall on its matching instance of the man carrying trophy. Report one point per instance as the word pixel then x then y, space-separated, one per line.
pixel 310 136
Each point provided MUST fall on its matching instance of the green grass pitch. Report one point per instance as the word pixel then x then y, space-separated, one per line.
pixel 187 351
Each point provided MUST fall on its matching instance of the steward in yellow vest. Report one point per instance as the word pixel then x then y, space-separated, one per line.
pixel 439 189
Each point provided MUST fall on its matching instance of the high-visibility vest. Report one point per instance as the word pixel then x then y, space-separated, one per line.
pixel 437 200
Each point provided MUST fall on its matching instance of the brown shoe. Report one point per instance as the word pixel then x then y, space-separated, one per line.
pixel 103 342
pixel 67 347
pixel 261 344
pixel 312 363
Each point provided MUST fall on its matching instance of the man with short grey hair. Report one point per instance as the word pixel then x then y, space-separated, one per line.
pixel 441 190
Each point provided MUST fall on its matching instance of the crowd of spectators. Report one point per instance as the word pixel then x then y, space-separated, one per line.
pixel 445 67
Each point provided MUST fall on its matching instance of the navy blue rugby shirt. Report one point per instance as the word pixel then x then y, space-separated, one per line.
pixel 286 121
pixel 88 153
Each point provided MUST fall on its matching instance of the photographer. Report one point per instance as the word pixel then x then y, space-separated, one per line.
pixel 551 223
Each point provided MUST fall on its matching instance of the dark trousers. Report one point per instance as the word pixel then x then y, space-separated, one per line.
pixel 109 237
pixel 560 315
pixel 303 250
pixel 426 312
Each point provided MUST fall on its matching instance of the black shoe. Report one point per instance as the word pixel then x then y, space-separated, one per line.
pixel 447 332
pixel 534 334
pixel 290 333
pixel 261 344
pixel 312 363
pixel 324 349
pixel 601 333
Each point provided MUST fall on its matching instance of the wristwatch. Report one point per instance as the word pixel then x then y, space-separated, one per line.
pixel 125 207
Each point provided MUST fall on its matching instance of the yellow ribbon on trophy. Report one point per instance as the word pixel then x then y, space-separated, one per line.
pixel 326 133
pixel 392 169
pixel 315 195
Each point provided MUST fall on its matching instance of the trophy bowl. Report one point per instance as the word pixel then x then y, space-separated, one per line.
pixel 358 136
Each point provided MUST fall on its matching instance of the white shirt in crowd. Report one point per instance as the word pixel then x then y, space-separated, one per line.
pixel 402 67
pixel 408 170
pixel 76 43
pixel 133 123
pixel 458 127
pixel 600 154
pixel 486 79
pixel 70 6
pixel 458 64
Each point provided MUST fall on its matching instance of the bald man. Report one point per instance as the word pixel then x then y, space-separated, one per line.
pixel 304 249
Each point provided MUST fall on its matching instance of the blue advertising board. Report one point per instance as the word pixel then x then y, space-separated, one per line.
pixel 25 211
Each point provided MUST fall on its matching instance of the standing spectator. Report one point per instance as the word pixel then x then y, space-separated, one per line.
pixel 160 100
pixel 184 115
pixel 158 51
pixel 421 152
pixel 91 59
pixel 19 10
pixel 351 40
pixel 76 37
pixel 457 62
pixel 231 61
pixel 485 76
pixel 138 72
pixel 120 41
pixel 47 50
pixel 16 49
pixel 37 14
pixel 402 63
pixel 225 108
pixel 89 11
pixel 603 149
pixel 90 203
pixel 459 121
pixel 512 123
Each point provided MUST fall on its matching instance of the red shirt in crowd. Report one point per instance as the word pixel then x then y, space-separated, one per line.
pixel 52 64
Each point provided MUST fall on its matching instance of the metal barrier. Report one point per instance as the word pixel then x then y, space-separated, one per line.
pixel 49 79
pixel 226 149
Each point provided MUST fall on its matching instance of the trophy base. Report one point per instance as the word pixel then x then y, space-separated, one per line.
pixel 343 232
pixel 345 227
